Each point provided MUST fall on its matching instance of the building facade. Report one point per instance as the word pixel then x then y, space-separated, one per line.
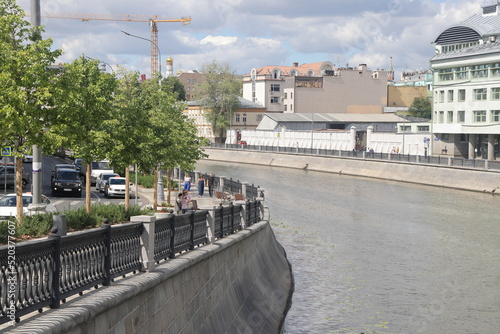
pixel 317 88
pixel 466 89
pixel 192 82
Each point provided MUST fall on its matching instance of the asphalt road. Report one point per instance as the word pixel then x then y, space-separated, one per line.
pixel 64 203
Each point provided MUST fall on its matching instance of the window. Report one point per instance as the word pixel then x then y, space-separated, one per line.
pixel 441 96
pixel 445 75
pixel 479 116
pixel 461 95
pixel 285 107
pixel 480 94
pixel 422 128
pixel 450 116
pixel 193 81
pixel 237 118
pixel 495 70
pixel 495 93
pixel 441 117
pixel 291 95
pixel 479 71
pixel 461 73
pixel 244 117
pixel 461 116
pixel 495 115
pixel 275 99
pixel 275 88
pixel 286 94
pixel 450 96
pixel 188 81
pixel 405 128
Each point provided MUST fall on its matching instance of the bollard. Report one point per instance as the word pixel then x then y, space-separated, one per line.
pixel 61 225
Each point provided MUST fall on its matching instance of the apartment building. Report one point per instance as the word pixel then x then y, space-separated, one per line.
pixel 466 88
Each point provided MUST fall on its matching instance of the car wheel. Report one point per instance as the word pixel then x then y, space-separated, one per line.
pixel 54 194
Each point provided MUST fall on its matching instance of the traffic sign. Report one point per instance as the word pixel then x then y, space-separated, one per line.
pixel 6 151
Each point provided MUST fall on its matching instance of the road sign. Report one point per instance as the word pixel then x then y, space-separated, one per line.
pixel 6 151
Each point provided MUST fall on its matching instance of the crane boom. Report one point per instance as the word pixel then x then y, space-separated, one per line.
pixel 151 19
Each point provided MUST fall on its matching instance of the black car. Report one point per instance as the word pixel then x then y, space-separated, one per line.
pixel 66 181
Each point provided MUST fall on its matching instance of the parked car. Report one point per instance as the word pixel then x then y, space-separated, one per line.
pixel 116 187
pixel 102 181
pixel 241 142
pixel 66 181
pixel 8 176
pixel 8 205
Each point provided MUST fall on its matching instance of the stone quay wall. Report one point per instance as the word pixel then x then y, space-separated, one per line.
pixel 241 283
pixel 434 175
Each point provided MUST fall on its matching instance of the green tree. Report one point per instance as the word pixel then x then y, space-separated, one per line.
pixel 220 94
pixel 173 85
pixel 173 141
pixel 421 107
pixel 85 102
pixel 25 87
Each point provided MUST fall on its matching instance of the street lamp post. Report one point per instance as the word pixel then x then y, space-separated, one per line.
pixel 153 70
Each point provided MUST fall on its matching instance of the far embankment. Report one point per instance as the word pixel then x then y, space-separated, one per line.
pixel 434 175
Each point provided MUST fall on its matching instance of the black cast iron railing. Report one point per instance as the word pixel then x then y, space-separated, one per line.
pixel 37 274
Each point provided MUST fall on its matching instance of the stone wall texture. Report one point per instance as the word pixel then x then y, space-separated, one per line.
pixel 239 284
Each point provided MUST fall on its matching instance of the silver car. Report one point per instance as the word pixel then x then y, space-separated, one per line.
pixel 102 181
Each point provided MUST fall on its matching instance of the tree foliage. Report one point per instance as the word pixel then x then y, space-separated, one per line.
pixel 220 94
pixel 421 107
pixel 26 104
pixel 84 98
pixel 173 85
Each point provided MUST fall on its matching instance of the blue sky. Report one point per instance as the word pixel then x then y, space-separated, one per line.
pixel 250 34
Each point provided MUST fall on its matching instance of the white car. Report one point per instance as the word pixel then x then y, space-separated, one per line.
pixel 8 205
pixel 116 187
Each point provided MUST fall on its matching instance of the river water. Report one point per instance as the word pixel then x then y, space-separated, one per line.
pixel 372 256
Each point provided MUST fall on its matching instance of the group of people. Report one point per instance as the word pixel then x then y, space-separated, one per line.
pixel 185 198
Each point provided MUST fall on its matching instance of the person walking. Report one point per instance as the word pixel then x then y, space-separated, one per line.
pixel 211 184
pixel 187 182
pixel 201 185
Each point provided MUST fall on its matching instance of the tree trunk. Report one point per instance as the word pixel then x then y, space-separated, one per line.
pixel 169 181
pixel 19 190
pixel 87 188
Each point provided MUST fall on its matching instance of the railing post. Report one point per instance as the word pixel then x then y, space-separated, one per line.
pixel 107 256
pixel 56 274
pixel 221 183
pixel 231 205
pixel 172 239
pixel 450 161
pixel 486 164
pixel 191 234
pixel 221 209
pixel 244 215
pixel 147 241
pixel 211 226
pixel 417 159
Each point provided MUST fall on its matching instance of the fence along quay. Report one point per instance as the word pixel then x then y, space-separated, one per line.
pixel 44 273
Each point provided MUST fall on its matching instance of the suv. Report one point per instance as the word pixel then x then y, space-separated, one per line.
pixel 8 176
pixel 65 181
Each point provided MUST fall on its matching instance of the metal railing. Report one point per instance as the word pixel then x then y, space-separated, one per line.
pixel 421 159
pixel 37 274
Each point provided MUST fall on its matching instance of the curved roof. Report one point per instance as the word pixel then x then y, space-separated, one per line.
pixel 458 34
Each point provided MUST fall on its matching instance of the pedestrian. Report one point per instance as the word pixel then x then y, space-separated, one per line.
pixel 201 185
pixel 187 182
pixel 211 184
pixel 185 200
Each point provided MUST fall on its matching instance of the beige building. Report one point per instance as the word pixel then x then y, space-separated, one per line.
pixel 403 96
pixel 192 82
pixel 317 88
pixel 247 117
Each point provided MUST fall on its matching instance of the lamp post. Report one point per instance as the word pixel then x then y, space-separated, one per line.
pixel 153 70
pixel 103 63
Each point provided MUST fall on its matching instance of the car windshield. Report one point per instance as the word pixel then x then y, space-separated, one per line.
pixel 11 200
pixel 100 165
pixel 116 181
pixel 107 176
pixel 67 175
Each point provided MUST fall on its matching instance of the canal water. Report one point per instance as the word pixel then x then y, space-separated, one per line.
pixel 372 256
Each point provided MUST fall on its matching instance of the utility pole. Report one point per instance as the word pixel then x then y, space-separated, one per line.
pixel 37 153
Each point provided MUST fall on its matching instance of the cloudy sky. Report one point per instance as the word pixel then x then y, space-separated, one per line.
pixel 250 34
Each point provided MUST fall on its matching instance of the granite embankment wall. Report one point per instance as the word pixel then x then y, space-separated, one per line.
pixel 241 283
pixel 442 176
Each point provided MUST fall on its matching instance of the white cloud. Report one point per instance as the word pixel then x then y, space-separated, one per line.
pixel 218 40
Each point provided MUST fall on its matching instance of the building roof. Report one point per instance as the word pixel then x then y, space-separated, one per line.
pixel 475 50
pixel 301 70
pixel 339 118
pixel 244 104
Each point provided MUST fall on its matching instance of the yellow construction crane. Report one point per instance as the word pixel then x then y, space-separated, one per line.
pixel 151 19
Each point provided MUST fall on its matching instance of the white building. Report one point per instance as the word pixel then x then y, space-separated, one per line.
pixel 466 92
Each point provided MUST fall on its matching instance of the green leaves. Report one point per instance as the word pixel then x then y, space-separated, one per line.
pixel 421 107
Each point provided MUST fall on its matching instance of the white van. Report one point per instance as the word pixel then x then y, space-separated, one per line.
pixel 98 167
